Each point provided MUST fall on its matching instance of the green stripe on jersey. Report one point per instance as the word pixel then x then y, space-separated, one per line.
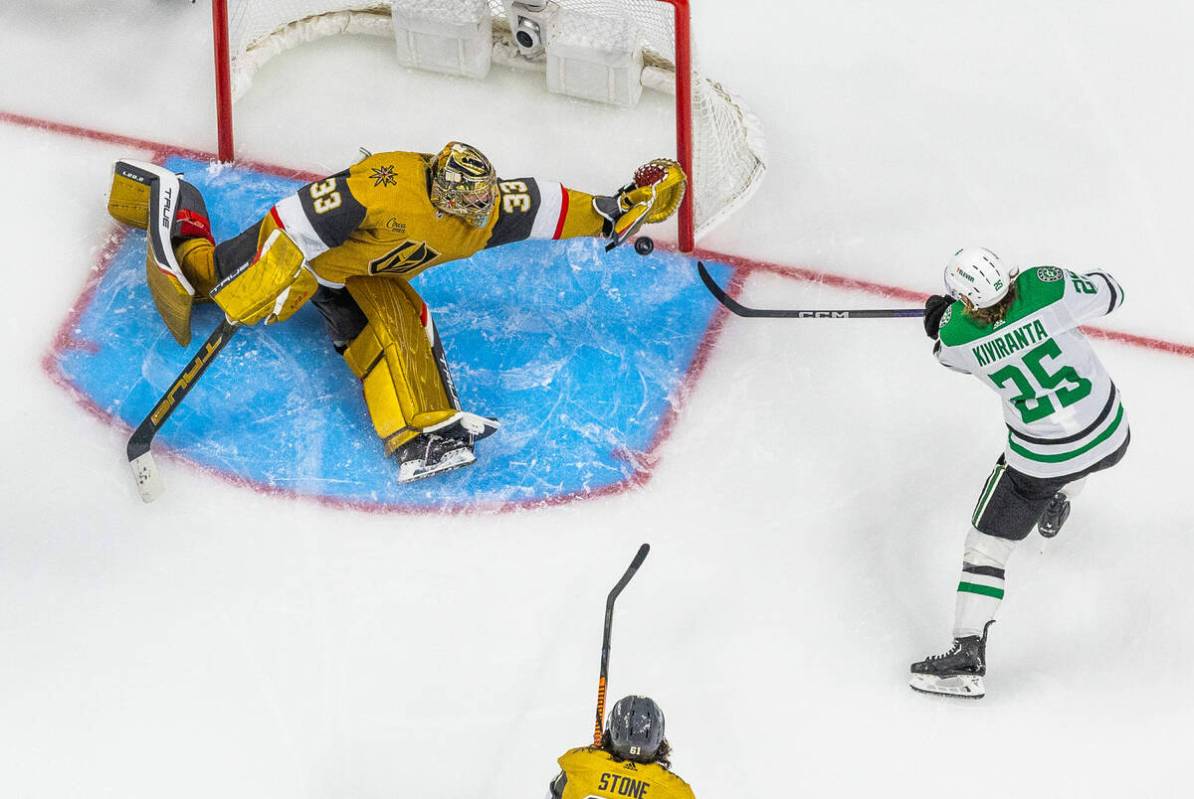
pixel 1036 288
pixel 985 590
pixel 1065 456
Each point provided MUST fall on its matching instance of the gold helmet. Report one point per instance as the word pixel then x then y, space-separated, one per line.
pixel 463 183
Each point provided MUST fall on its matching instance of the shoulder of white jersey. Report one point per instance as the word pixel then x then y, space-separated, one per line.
pixel 1104 285
pixel 1038 287
pixel 948 357
pixel 1087 296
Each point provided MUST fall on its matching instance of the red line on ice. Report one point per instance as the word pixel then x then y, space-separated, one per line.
pixel 748 265
pixel 643 463
pixel 740 263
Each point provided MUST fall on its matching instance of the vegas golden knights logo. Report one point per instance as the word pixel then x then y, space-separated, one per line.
pixel 469 164
pixel 406 257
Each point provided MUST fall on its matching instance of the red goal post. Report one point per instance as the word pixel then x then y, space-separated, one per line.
pixel 718 141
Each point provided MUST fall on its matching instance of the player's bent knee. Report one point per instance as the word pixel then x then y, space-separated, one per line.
pixel 987 550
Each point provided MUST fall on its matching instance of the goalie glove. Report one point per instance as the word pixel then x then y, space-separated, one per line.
pixel 654 195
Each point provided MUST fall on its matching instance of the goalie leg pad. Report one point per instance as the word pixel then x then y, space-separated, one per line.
pixel 128 199
pixel 172 296
pixel 407 388
pixel 172 292
pixel 170 209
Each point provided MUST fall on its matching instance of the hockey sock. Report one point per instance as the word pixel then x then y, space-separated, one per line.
pixel 980 589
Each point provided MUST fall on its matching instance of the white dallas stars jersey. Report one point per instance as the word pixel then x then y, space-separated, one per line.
pixel 1062 411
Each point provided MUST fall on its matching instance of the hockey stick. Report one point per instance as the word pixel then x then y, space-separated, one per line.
pixel 639 557
pixel 145 471
pixel 742 310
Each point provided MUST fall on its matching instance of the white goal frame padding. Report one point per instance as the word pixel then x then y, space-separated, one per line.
pixel 719 141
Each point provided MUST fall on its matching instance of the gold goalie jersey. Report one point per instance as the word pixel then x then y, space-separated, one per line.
pixel 376 217
pixel 589 773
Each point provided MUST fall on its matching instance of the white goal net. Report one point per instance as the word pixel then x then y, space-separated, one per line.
pixel 728 148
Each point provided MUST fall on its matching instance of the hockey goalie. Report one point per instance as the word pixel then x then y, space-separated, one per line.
pixel 350 244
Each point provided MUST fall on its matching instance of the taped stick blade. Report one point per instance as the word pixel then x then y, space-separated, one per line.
pixel 149 479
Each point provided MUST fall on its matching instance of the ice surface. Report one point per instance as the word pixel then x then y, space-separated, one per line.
pixel 806 512
pixel 583 356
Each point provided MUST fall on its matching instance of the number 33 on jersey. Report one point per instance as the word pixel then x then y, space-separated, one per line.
pixel 1062 411
pixel 377 217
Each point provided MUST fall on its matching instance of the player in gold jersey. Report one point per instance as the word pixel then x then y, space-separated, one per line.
pixel 632 760
pixel 350 244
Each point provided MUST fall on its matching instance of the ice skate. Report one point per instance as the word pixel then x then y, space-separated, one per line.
pixel 444 447
pixel 430 454
pixel 1054 516
pixel 958 672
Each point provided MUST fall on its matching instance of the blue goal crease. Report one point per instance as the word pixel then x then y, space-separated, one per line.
pixel 577 351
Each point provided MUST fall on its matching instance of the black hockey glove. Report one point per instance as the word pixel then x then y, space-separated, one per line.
pixel 610 208
pixel 935 307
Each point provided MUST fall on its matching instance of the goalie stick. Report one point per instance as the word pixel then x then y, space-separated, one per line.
pixel 782 313
pixel 602 681
pixel 145 470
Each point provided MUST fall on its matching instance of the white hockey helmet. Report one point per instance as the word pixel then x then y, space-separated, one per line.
pixel 978 276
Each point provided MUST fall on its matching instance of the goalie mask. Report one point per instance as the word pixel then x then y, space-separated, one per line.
pixel 463 183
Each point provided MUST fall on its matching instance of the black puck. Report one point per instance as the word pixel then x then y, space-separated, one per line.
pixel 643 245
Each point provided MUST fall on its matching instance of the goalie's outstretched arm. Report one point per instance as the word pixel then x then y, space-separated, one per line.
pixel 538 209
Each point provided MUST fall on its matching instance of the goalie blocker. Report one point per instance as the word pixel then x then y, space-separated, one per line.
pixel 350 244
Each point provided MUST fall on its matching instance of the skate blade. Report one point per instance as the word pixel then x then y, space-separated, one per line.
pixel 964 686
pixel 418 470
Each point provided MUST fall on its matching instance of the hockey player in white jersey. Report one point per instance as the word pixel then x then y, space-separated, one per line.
pixel 1018 334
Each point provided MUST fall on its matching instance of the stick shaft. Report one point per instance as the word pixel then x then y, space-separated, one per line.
pixel 792 313
pixel 603 679
pixel 142 438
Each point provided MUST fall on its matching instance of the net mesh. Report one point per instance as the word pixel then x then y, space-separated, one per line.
pixel 729 151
